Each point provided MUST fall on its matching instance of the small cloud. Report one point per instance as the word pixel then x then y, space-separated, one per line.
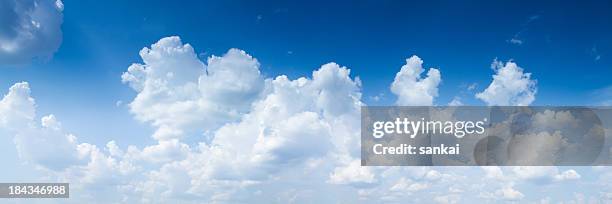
pixel 203 55
pixel 516 38
pixel 515 41
pixel 456 102
pixel 119 103
pixel 532 18
pixel 595 53
pixel 259 18
pixel 378 97
pixel 472 86
pixel 281 10
pixel 289 52
pixel 509 193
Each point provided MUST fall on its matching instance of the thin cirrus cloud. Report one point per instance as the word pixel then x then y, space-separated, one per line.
pixel 271 139
pixel 29 29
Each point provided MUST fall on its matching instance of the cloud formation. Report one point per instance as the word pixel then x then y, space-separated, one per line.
pixel 413 90
pixel 286 140
pixel 258 127
pixel 29 29
pixel 180 95
pixel 510 86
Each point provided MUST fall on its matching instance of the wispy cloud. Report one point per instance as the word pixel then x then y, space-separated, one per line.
pixel 517 37
pixel 595 53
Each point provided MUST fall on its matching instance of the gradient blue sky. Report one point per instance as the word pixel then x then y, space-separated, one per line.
pixel 565 45
pixel 561 42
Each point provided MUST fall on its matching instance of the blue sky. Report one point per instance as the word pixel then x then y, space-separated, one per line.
pixel 372 38
pixel 566 46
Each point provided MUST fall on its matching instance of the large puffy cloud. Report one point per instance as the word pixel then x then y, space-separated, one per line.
pixel 510 86
pixel 293 127
pixel 259 129
pixel 29 29
pixel 181 95
pixel 411 89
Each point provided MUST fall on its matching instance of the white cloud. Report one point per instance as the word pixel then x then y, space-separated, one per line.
pixel 493 172
pixel 353 174
pixel 29 29
pixel 536 174
pixel 47 146
pixel 472 86
pixel 544 174
pixel 165 151
pixel 455 102
pixel 411 89
pixel 180 95
pixel 509 193
pixel 510 86
pixel 43 144
pixel 17 107
pixel 567 175
pixel 447 199
pixel 407 185
pixel 262 128
pixel 516 41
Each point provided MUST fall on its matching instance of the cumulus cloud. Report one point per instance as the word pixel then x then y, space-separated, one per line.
pixel 258 127
pixel 407 185
pixel 544 174
pixel 534 174
pixel 29 29
pixel 493 172
pixel 510 86
pixel 353 174
pixel 413 90
pixel 509 193
pixel 17 107
pixel 43 144
pixel 46 145
pixel 179 94
pixel 292 126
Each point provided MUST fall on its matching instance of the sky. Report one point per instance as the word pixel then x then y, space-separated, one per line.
pixel 196 83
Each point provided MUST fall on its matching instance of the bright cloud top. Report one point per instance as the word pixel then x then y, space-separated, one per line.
pixel 179 94
pixel 411 89
pixel 510 86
